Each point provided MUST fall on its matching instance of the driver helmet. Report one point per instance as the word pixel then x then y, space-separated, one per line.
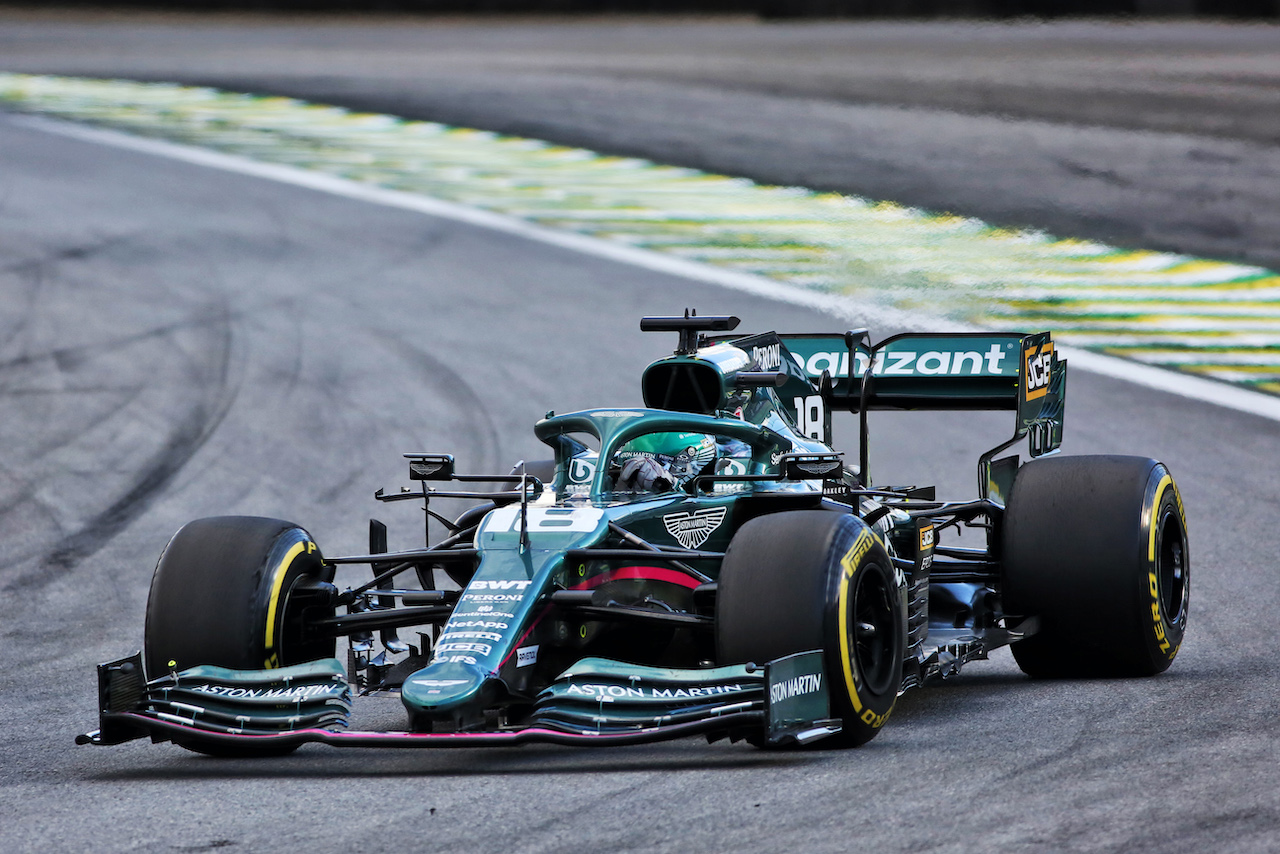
pixel 682 455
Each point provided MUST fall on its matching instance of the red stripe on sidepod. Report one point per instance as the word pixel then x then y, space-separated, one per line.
pixel 641 573
pixel 626 573
pixel 516 646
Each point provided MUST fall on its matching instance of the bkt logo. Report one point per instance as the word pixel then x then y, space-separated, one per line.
pixel 1039 361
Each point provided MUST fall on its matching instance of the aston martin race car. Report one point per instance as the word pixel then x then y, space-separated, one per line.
pixel 706 565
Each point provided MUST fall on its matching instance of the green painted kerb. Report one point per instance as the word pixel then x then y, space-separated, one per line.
pixel 1211 318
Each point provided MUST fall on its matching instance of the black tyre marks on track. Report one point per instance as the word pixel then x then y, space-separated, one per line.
pixel 201 363
pixel 188 435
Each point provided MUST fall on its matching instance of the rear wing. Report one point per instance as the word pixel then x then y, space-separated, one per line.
pixel 812 375
pixel 949 371
pixel 942 371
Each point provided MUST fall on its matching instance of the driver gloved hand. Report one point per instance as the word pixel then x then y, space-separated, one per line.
pixel 645 474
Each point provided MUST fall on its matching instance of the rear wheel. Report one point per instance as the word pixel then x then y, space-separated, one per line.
pixel 235 591
pixel 1096 548
pixel 798 581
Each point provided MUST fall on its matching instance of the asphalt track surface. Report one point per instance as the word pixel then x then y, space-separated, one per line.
pixel 1158 136
pixel 178 342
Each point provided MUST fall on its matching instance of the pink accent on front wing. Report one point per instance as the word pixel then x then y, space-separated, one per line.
pixel 460 739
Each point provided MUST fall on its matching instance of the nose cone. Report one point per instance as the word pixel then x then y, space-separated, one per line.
pixel 444 689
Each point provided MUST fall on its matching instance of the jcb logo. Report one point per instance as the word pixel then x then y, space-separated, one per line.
pixel 1038 361
pixel 926 538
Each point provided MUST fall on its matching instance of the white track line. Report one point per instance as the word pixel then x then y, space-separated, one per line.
pixel 1195 388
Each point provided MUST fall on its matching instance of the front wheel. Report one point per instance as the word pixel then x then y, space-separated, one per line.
pixel 804 580
pixel 1096 548
pixel 236 591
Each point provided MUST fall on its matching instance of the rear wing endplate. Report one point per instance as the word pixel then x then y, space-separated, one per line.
pixel 944 371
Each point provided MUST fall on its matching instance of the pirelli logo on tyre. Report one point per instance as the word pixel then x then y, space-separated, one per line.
pixel 860 547
pixel 1159 619
pixel 849 565
pixel 1037 364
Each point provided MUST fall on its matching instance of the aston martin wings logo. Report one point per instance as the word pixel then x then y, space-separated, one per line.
pixel 693 528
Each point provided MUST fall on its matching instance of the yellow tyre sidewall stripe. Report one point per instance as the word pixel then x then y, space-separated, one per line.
pixel 278 576
pixel 1159 619
pixel 849 565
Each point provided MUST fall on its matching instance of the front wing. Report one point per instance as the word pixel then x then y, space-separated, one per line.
pixel 596 702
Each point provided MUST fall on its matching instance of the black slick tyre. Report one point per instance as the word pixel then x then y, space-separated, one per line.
pixel 804 580
pixel 1095 547
pixel 233 591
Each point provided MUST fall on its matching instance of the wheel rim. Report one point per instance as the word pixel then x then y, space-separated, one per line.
pixel 1171 566
pixel 873 628
pixel 293 642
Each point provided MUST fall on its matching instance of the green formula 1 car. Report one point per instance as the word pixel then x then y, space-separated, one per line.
pixel 706 565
